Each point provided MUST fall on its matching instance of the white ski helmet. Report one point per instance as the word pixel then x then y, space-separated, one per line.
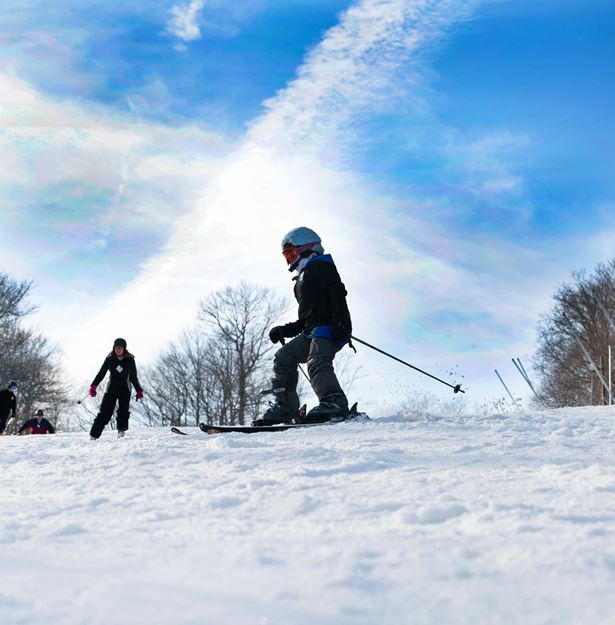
pixel 299 241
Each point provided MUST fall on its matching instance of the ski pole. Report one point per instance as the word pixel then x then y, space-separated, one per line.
pixel 456 388
pixel 83 398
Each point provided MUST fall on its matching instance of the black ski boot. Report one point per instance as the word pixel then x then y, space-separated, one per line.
pixel 276 413
pixel 329 409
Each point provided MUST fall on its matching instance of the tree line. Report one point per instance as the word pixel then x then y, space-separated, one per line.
pixel 574 338
pixel 216 370
pixel 28 357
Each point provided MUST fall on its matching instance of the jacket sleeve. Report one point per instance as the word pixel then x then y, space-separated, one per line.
pixel 133 376
pixel 101 374
pixel 13 405
pixel 25 426
pixel 292 329
pixel 50 428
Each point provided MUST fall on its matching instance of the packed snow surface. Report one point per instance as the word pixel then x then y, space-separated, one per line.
pixel 472 520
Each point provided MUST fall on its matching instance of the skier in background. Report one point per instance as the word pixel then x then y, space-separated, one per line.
pixel 120 364
pixel 37 425
pixel 8 405
pixel 322 329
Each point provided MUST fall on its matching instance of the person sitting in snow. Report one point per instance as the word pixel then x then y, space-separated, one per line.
pixel 37 425
pixel 322 329
pixel 120 364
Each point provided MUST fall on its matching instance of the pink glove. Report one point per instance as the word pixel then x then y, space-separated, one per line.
pixel 92 391
pixel 139 394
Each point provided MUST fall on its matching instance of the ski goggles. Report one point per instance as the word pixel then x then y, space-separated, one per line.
pixel 291 254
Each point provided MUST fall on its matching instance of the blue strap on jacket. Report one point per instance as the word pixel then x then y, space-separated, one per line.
pixel 324 332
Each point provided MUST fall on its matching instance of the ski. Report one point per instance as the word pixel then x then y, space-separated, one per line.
pixel 210 428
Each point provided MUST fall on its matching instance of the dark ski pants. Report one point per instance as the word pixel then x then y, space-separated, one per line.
pixel 107 407
pixel 319 355
pixel 3 419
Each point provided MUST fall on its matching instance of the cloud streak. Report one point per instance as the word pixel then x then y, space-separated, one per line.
pixel 371 61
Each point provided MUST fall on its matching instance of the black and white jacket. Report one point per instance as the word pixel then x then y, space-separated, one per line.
pixel 122 373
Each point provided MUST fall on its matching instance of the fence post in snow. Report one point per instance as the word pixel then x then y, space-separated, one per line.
pixel 590 360
pixel 591 389
pixel 506 387
pixel 524 375
pixel 610 378
pixel 606 314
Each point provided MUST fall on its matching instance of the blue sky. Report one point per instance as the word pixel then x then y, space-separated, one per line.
pixel 458 156
pixel 245 52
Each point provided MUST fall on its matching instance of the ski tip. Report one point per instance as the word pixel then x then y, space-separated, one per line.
pixel 208 429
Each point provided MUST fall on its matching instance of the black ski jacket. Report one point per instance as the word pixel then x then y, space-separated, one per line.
pixel 321 296
pixel 8 403
pixel 121 374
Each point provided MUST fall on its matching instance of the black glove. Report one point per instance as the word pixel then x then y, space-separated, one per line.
pixel 340 331
pixel 276 335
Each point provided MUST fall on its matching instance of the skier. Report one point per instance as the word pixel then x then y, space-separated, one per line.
pixel 322 329
pixel 37 425
pixel 7 405
pixel 120 364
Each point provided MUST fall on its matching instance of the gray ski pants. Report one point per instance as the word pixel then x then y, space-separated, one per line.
pixel 319 355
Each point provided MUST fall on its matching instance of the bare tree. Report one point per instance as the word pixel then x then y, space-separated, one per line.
pixel 215 370
pixel 13 295
pixel 30 359
pixel 238 319
pixel 177 392
pixel 572 336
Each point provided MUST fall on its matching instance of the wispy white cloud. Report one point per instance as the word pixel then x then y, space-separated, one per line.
pixel 74 177
pixel 184 21
pixel 46 142
pixel 487 160
pixel 373 60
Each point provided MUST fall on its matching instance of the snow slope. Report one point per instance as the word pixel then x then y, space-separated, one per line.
pixel 470 520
